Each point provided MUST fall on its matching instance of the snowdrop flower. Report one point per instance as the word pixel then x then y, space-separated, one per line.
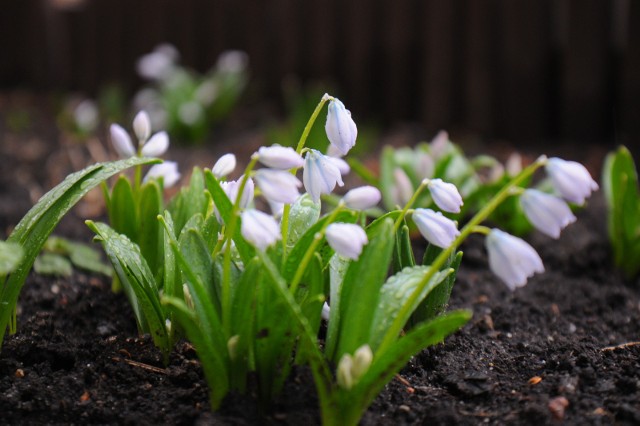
pixel 320 174
pixel 121 141
pixel 346 239
pixel 445 195
pixel 86 115
pixel 570 179
pixel 403 189
pixel 435 227
pixel 142 126
pixel 548 213
pixel 232 61
pixel 156 146
pixel 340 127
pixel 225 165
pixel 280 157
pixel 259 229
pixel 278 185
pixel 511 258
pixel 362 198
pixel 168 171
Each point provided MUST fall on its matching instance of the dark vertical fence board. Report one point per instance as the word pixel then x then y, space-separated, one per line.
pixel 629 105
pixel 317 39
pixel 110 42
pixel 586 109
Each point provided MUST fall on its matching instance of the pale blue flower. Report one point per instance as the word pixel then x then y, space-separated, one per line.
pixel 340 127
pixel 280 157
pixel 436 228
pixel 346 239
pixel 362 198
pixel 511 258
pixel 259 229
pixel 278 185
pixel 445 195
pixel 571 179
pixel 225 165
pixel 548 213
pixel 320 174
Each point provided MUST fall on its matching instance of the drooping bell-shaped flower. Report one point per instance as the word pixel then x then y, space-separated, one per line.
pixel 231 188
pixel 548 213
pixel 280 157
pixel 571 179
pixel 362 198
pixel 259 229
pixel 445 195
pixel 278 185
pixel 340 127
pixel 156 146
pixel 122 141
pixel 142 126
pixel 511 258
pixel 436 228
pixel 168 171
pixel 225 165
pixel 320 174
pixel 402 190
pixel 346 239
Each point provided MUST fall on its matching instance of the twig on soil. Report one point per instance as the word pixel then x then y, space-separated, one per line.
pixel 620 346
pixel 406 383
pixel 141 365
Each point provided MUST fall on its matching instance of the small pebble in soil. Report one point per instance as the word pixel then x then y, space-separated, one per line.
pixel 19 373
pixel 535 380
pixel 557 407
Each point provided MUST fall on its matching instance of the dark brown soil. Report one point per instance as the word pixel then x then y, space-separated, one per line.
pixel 564 349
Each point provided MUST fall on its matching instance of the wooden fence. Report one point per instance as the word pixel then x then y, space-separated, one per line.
pixel 519 69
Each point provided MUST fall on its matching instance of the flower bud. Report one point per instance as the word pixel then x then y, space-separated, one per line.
pixel 280 157
pixel 511 258
pixel 571 179
pixel 362 198
pixel 346 239
pixel 435 227
pixel 142 126
pixel 343 373
pixel 340 127
pixel 259 229
pixel 403 189
pixel 362 358
pixel 156 146
pixel 320 175
pixel 168 171
pixel 278 185
pixel 548 213
pixel 122 142
pixel 445 195
pixel 225 165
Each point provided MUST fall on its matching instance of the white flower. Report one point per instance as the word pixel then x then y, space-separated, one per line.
pixel 440 145
pixel 435 227
pixel 342 165
pixel 259 229
pixel 351 369
pixel 159 64
pixel 168 171
pixel 362 198
pixel 276 208
pixel 548 213
pixel 346 239
pixel 86 115
pixel 513 166
pixel 511 258
pixel 232 61
pixel 445 195
pixel 278 185
pixel 142 126
pixel 340 127
pixel 225 165
pixel 320 174
pixel 156 146
pixel 231 188
pixel 402 191
pixel 280 157
pixel 424 166
pixel 121 141
pixel 326 311
pixel 570 179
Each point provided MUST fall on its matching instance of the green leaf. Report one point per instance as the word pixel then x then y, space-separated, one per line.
pixel 150 233
pixel 189 201
pixel 10 256
pixel 303 214
pixel 138 282
pixel 52 264
pixel 123 215
pixel 394 294
pixel 436 302
pixel 361 288
pixel 403 252
pixel 195 250
pixel 88 259
pixel 387 180
pixel 338 267
pixel 34 229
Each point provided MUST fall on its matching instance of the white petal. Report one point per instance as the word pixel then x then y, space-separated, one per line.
pixel 280 157
pixel 362 198
pixel 435 227
pixel 342 165
pixel 403 189
pixel 278 185
pixel 142 126
pixel 168 171
pixel 571 179
pixel 320 175
pixel 156 146
pixel 425 165
pixel 225 165
pixel 549 214
pixel 445 195
pixel 259 229
pixel 122 142
pixel 511 258
pixel 340 127
pixel 346 239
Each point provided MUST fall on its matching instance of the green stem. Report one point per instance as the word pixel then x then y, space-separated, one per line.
pixel 308 255
pixel 470 227
pixel 312 119
pixel 406 208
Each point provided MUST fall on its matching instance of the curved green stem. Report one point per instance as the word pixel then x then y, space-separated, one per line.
pixel 312 119
pixel 406 208
pixel 472 226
